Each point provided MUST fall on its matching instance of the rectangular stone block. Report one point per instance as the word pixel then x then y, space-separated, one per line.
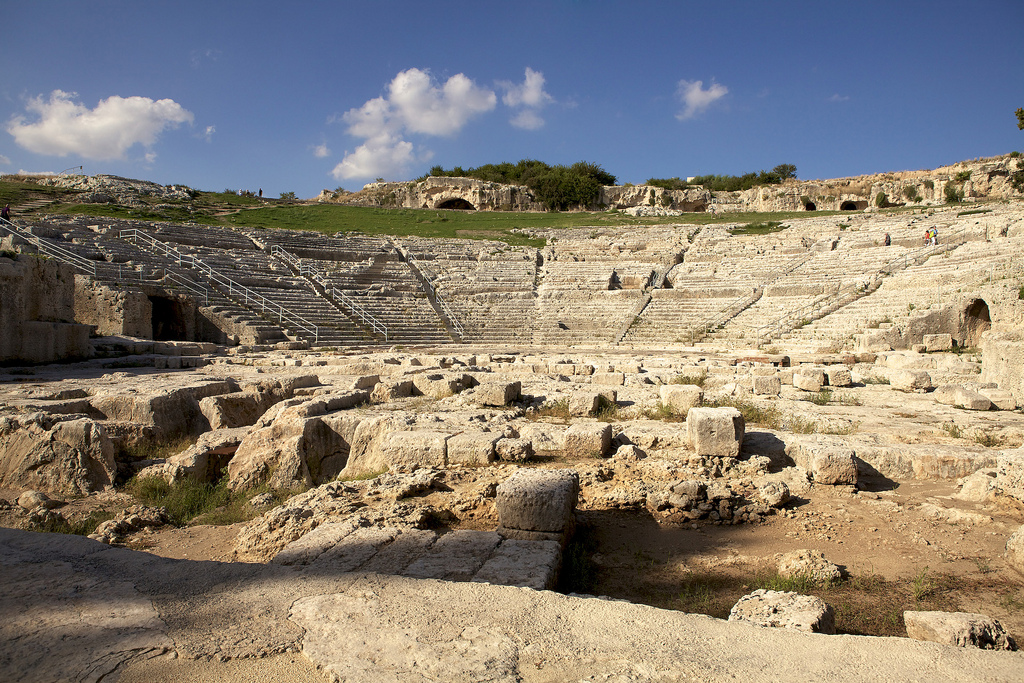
pixel 809 379
pixel 455 556
pixel 538 500
pixel 715 431
pixel 497 393
pixel 766 385
pixel 587 440
pixel 937 342
pixel 472 448
pixel 615 379
pixel 679 398
pixel 422 448
pixel 534 564
pixel 838 376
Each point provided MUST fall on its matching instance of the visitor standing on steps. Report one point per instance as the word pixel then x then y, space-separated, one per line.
pixel 5 212
pixel 888 240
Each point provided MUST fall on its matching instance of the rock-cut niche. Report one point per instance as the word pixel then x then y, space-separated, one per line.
pixel 977 319
pixel 456 203
pixel 168 319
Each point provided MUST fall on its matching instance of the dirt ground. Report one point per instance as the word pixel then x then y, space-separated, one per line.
pixel 894 558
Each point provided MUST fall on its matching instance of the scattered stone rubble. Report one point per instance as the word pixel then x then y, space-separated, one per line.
pixel 470 464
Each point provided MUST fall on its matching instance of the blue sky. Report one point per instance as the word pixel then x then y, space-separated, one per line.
pixel 303 96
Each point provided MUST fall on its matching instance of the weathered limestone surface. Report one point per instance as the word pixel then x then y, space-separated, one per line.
pixel 113 310
pixel 953 395
pixel 37 312
pixel 679 398
pixel 715 431
pixel 777 609
pixel 961 629
pixel 363 627
pixel 167 412
pixel 587 440
pixel 295 443
pixel 538 500
pixel 55 454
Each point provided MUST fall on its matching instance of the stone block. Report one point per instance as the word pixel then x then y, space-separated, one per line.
pixel 419 448
pixel 715 431
pixel 538 500
pixel 472 448
pixel 838 376
pixel 1015 549
pixel 767 385
pixel 1010 474
pixel 679 398
pixel 390 390
pixel 809 379
pixel 533 564
pixel 497 394
pixel 910 381
pixel 1001 399
pixel 587 440
pixel 954 395
pixel 811 564
pixel 776 609
pixel 937 342
pixel 513 450
pixel 960 629
pixel 614 379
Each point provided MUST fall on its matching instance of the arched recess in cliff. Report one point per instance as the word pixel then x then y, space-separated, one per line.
pixel 849 205
pixel 810 206
pixel 976 319
pixel 457 203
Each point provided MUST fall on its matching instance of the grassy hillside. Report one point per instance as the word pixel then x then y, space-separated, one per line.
pixel 228 209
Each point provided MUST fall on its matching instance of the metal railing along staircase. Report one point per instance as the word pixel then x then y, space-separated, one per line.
pixel 850 293
pixel 318 276
pixel 431 290
pixel 239 293
pixel 90 268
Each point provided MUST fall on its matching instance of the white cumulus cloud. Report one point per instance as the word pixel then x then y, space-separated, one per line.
pixel 4 160
pixel 64 126
pixel 321 151
pixel 414 104
pixel 529 97
pixel 696 99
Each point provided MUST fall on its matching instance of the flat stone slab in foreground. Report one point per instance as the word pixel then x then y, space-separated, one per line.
pixel 77 610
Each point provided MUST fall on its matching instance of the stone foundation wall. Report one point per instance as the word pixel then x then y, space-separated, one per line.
pixel 113 310
pixel 37 312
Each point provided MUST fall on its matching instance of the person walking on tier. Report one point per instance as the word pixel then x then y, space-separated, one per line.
pixel 5 212
pixel 888 240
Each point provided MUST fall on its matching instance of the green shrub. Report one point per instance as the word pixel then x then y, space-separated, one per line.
pixel 881 200
pixel 953 194
pixel 962 176
pixel 911 194
pixel 667 183
pixel 930 184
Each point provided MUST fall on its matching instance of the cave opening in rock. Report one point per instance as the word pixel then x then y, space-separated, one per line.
pixel 810 206
pixel 456 203
pixel 848 206
pixel 977 319
pixel 168 319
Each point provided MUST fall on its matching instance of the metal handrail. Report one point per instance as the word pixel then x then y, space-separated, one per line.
pixel 854 291
pixel 51 249
pixel 318 276
pixel 250 297
pixel 432 291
